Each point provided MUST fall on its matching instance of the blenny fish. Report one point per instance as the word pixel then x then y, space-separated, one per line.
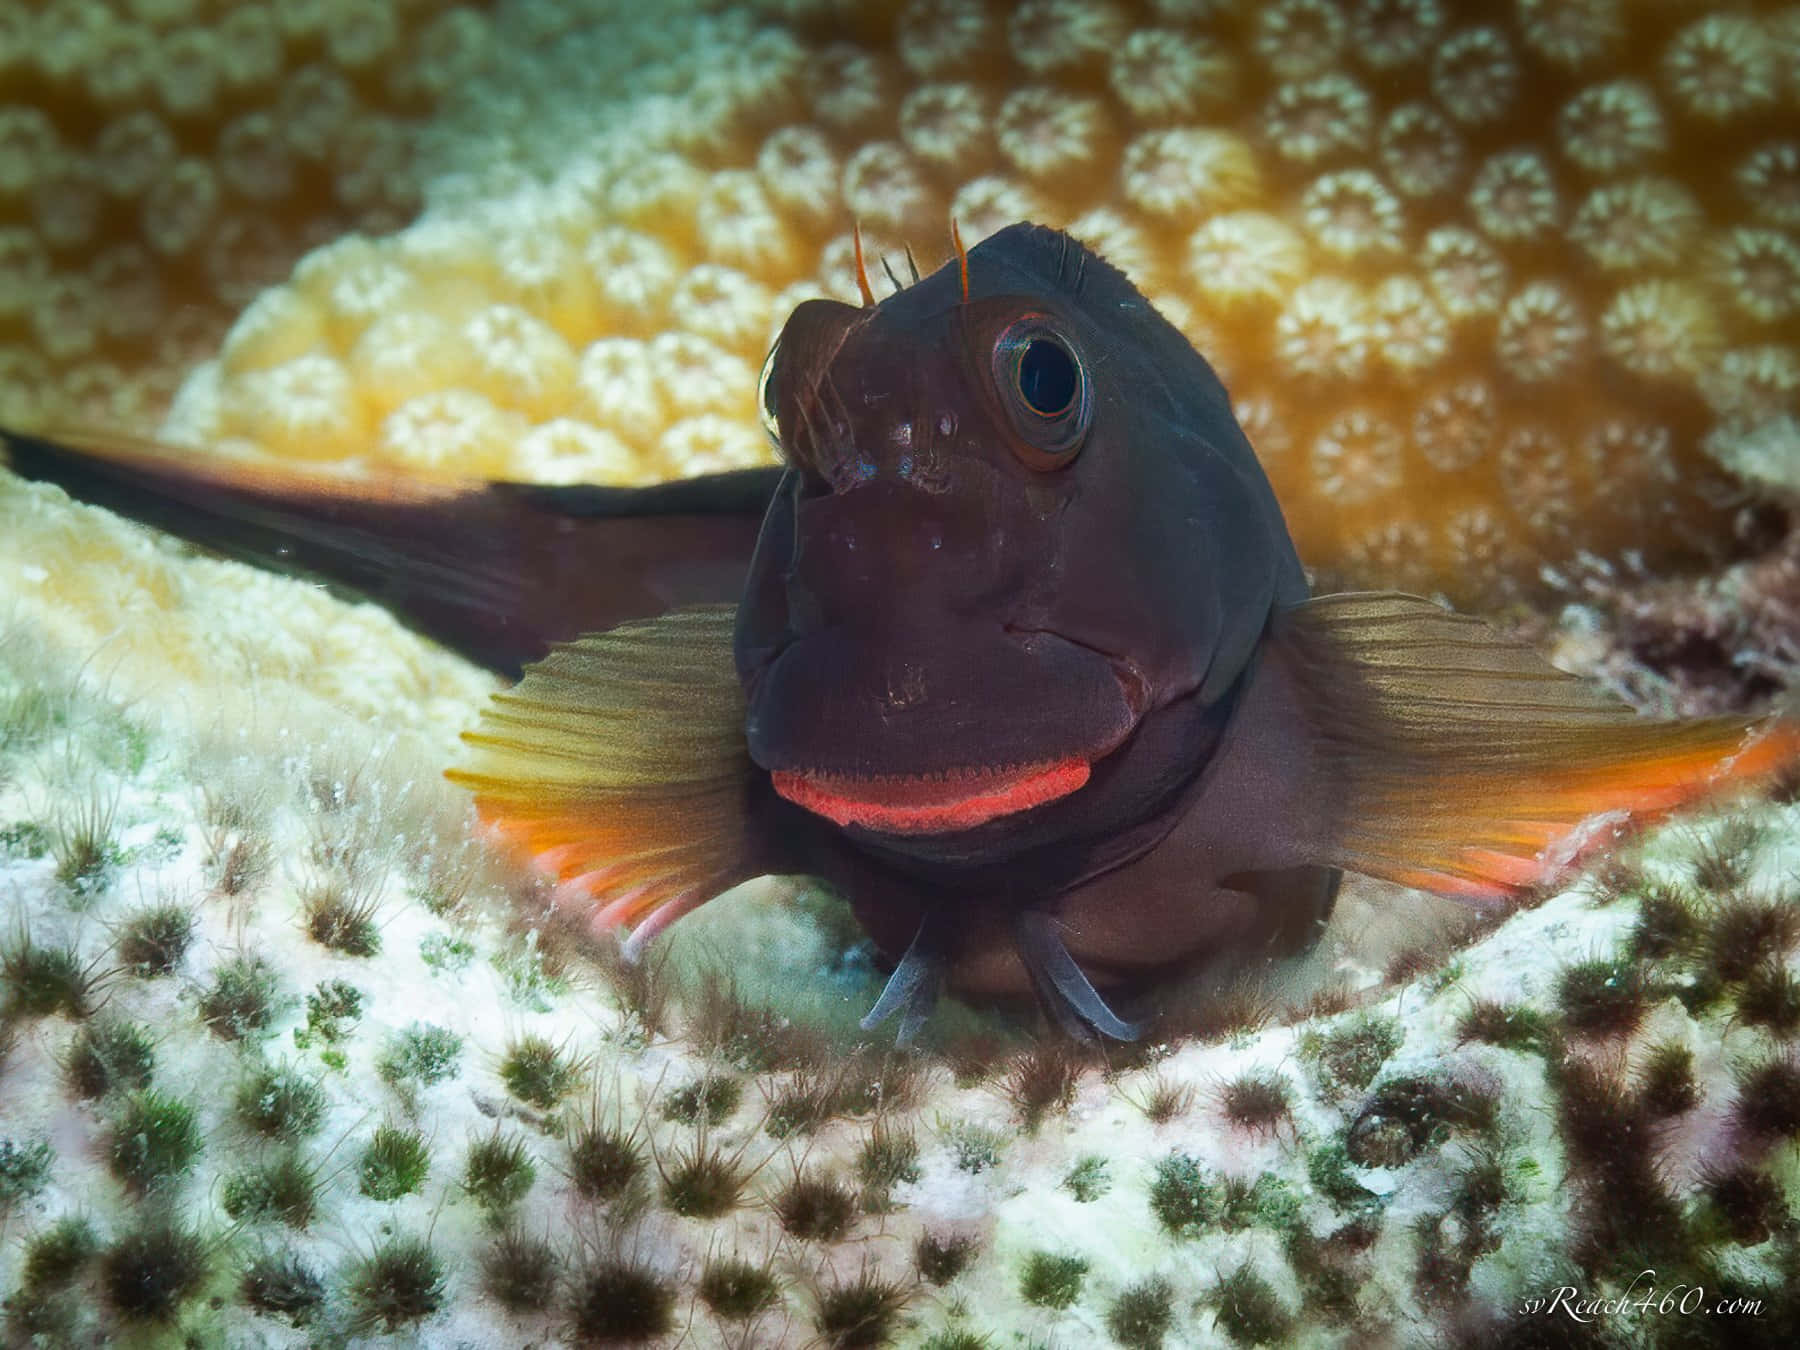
pixel 1012 650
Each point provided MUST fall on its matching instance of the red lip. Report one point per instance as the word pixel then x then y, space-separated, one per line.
pixel 930 803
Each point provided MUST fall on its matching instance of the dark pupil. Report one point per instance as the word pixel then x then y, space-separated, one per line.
pixel 1046 377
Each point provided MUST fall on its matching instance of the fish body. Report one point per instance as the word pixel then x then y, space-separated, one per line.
pixel 1014 652
pixel 1005 614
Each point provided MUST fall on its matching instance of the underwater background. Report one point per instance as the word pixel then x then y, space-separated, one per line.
pixel 1507 296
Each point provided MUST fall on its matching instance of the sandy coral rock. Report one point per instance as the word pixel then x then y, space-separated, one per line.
pixel 223 138
pixel 1401 200
pixel 1409 1155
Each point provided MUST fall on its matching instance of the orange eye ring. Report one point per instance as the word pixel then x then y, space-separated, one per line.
pixel 1044 387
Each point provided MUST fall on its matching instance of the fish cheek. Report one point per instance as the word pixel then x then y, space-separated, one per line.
pixel 1131 584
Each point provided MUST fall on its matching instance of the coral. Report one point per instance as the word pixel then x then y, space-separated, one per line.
pixel 282 1284
pixel 243 998
pixel 498 1171
pixel 280 1103
pixel 1451 1141
pixel 603 1160
pixel 1691 646
pixel 521 1272
pixel 109 1054
pixel 283 1187
pixel 155 1139
pixel 1382 221
pixel 620 1301
pixel 160 165
pixel 735 1290
pixel 153 940
pixel 393 1164
pixel 1405 1151
pixel 537 1072
pixel 150 1271
pixel 401 1282
pixel 1052 1280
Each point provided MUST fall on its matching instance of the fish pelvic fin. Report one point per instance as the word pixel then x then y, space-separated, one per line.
pixel 618 766
pixel 1458 760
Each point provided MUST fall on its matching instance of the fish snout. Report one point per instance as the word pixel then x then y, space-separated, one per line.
pixel 888 548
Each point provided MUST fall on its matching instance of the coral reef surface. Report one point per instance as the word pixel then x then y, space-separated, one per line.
pixel 288 1061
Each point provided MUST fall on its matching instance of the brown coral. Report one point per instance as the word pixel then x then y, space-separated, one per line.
pixel 1483 280
pixel 161 164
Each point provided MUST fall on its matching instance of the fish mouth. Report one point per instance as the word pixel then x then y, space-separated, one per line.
pixel 930 803
pixel 1018 721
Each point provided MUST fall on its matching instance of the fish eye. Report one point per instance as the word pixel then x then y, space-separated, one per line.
pixel 1044 387
pixel 1048 379
pixel 765 397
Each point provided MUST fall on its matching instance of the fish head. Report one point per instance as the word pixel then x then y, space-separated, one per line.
pixel 1017 518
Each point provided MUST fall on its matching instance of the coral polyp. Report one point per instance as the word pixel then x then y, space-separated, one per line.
pixel 161 164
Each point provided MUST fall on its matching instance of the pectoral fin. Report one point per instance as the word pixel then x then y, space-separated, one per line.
pixel 618 765
pixel 496 571
pixel 1451 758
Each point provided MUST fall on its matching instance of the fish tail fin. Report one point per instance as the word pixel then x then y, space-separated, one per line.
pixel 496 571
pixel 618 766
pixel 1459 761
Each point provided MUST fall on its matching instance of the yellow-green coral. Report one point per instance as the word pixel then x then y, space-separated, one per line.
pixel 160 164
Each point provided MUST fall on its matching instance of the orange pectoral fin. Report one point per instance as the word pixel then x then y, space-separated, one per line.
pixel 1467 765
pixel 618 767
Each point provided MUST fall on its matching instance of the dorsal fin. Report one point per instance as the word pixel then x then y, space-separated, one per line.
pixel 1460 761
pixel 496 571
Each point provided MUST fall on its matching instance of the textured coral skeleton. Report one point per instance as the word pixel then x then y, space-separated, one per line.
pixel 161 163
